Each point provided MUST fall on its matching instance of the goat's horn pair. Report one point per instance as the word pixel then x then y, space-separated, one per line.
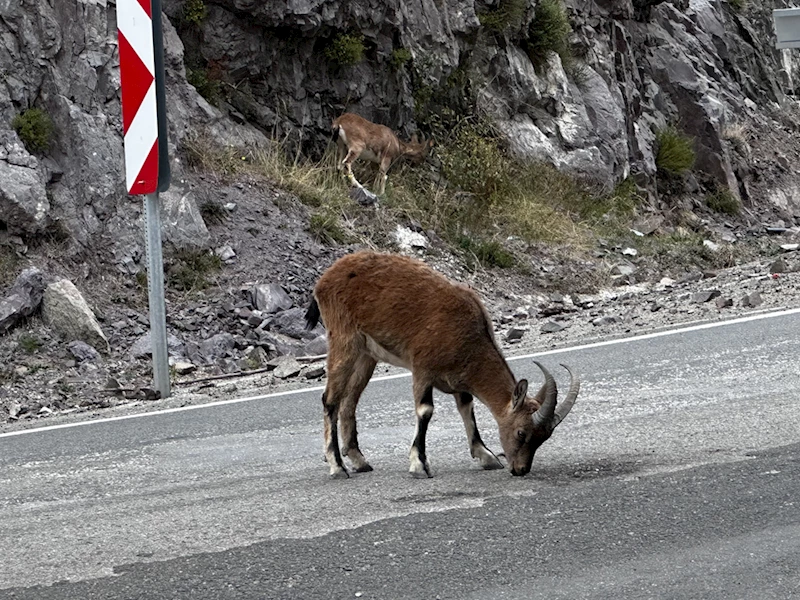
pixel 547 414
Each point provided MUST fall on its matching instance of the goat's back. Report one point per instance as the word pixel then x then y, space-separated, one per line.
pixel 405 306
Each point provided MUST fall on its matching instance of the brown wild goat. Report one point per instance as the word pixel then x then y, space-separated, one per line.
pixel 390 308
pixel 356 138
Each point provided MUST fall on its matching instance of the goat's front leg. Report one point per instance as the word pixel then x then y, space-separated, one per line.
pixel 423 399
pixel 348 165
pixel 476 446
pixel 330 406
pixel 380 179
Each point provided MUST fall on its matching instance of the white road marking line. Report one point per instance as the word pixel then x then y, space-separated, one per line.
pixel 319 388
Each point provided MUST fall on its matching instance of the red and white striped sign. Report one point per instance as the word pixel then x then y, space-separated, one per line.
pixel 139 109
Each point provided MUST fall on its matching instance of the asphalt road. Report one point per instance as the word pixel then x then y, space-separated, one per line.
pixel 677 475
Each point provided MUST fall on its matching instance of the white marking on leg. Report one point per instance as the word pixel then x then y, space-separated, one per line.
pixel 416 468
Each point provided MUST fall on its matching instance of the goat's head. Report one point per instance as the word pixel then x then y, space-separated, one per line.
pixel 531 421
pixel 417 150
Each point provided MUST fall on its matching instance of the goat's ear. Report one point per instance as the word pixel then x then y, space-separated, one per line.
pixel 520 393
pixel 430 143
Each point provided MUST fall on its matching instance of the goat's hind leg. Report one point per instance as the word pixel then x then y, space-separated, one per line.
pixel 362 371
pixel 476 446
pixel 341 361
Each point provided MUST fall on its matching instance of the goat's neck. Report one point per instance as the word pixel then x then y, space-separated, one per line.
pixel 494 385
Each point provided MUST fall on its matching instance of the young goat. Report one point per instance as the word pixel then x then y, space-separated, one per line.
pixel 356 137
pixel 383 307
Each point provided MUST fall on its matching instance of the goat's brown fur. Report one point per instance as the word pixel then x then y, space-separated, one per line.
pixel 383 307
pixel 356 137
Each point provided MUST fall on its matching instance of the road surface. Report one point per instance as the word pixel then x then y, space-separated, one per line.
pixel 677 475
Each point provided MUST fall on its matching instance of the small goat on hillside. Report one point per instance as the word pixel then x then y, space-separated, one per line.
pixel 356 138
pixel 390 308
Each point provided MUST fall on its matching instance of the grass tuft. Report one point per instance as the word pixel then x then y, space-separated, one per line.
pixel 549 31
pixel 675 152
pixel 723 201
pixel 509 16
pixel 191 270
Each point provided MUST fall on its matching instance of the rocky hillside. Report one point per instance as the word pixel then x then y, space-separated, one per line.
pixel 587 87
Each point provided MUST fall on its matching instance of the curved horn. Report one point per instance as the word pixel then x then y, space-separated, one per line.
pixel 547 409
pixel 566 406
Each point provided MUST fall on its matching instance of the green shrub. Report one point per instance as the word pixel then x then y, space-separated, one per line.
pixel 195 11
pixel 549 32
pixel 400 56
pixel 507 17
pixel 208 87
pixel 346 49
pixel 738 4
pixel 191 270
pixel 35 128
pixel 29 343
pixel 212 212
pixel 489 253
pixel 472 161
pixel 675 153
pixel 723 201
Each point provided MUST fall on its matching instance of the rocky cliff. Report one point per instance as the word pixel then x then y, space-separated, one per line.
pixel 708 67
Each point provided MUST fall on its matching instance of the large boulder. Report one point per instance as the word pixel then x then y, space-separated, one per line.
pixel 66 312
pixel 24 207
pixel 22 300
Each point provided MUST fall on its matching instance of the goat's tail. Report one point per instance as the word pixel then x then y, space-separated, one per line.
pixel 312 315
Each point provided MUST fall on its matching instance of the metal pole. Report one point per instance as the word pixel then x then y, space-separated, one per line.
pixel 155 288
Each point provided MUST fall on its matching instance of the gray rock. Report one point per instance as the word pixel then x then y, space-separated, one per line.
pixel 183 226
pixel 217 346
pixel 515 334
pixel 751 300
pixel 82 351
pixel 604 320
pixel 256 357
pixel 142 348
pixel 24 205
pixel 314 371
pixel 184 368
pixel 287 366
pixel 23 299
pixel 778 266
pixel 292 322
pixel 270 298
pixel 705 296
pixel 723 302
pixel 65 311
pixel 363 196
pixel 316 347
pixel 552 327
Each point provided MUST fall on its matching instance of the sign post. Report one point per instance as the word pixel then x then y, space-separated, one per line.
pixel 787 27
pixel 144 125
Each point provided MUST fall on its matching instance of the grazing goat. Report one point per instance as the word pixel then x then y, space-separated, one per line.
pixel 356 137
pixel 390 308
